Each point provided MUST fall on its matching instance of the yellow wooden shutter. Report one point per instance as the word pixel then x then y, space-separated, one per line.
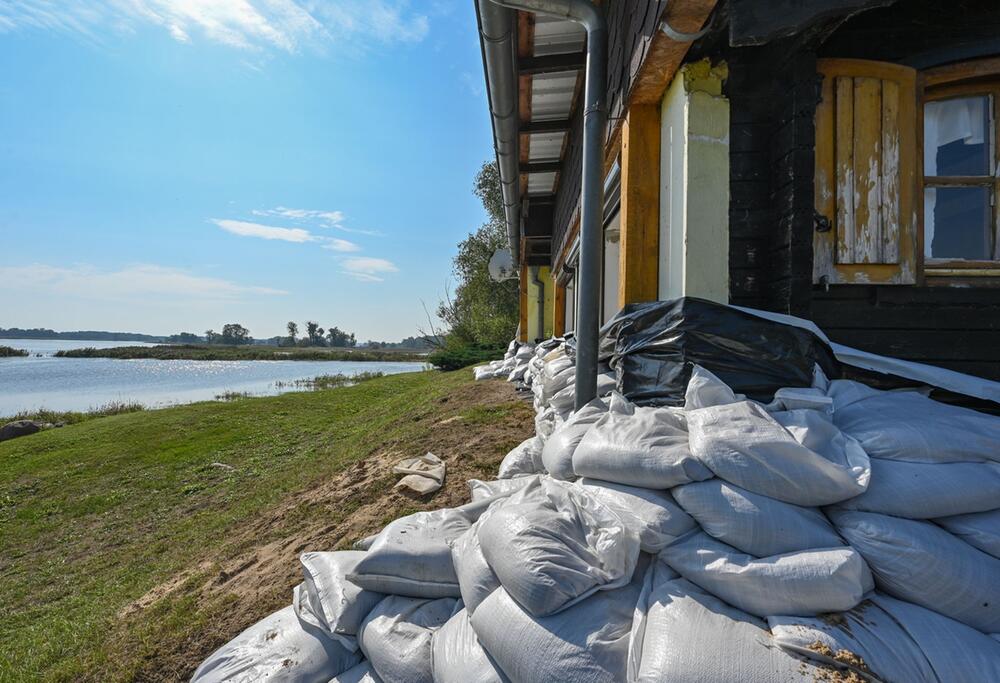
pixel 866 174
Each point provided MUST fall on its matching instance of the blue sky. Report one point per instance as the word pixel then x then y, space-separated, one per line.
pixel 171 165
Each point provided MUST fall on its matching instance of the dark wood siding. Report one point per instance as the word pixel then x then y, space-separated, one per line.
pixel 631 27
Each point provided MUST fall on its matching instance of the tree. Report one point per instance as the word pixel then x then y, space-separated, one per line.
pixel 482 311
pixel 184 338
pixel 210 337
pixel 314 333
pixel 236 334
pixel 339 338
pixel 293 331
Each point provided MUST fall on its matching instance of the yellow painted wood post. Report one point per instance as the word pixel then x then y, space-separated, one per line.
pixel 640 205
pixel 559 311
pixel 524 304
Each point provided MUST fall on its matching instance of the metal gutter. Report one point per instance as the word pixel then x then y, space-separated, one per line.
pixel 496 38
pixel 595 119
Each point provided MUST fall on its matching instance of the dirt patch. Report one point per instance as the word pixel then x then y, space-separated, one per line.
pixel 255 573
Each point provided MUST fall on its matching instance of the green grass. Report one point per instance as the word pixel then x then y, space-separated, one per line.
pixel 217 352
pixel 94 515
pixel 68 417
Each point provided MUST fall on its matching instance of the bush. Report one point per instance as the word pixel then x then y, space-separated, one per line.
pixel 8 352
pixel 457 355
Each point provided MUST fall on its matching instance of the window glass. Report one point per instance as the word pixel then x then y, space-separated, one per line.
pixel 959 187
pixel 956 137
pixel 958 223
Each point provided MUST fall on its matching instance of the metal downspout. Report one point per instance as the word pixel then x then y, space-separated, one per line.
pixel 496 30
pixel 541 299
pixel 595 120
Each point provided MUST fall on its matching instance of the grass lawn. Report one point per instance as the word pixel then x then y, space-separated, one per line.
pixel 133 545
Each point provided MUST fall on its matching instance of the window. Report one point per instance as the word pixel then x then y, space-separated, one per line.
pixel 877 220
pixel 960 178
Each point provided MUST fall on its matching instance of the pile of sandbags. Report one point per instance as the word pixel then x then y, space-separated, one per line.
pixel 833 533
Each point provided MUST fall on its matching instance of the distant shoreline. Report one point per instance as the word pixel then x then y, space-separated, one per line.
pixel 248 352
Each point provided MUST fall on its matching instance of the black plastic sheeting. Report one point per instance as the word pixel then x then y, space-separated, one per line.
pixel 654 346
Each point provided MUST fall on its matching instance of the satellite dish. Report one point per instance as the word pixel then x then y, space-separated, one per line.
pixel 502 266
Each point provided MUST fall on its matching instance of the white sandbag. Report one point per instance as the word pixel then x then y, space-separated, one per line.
pixel 980 530
pixel 511 348
pixel 557 454
pixel 654 515
pixel 705 390
pixel 459 658
pixel 278 648
pixel 338 605
pixel 546 422
pixel 872 639
pixel 412 555
pixel 481 372
pixel 396 637
pixel 482 490
pixel 517 374
pixel 476 579
pixel 681 634
pixel 898 641
pixel 918 490
pixel 587 643
pixel 796 456
pixel 525 352
pixel 805 582
pixel 924 564
pixel 525 458
pixel 638 446
pixel 565 401
pixel 753 523
pixel 906 425
pixel 553 544
pixel 957 653
pixel 362 673
pixel 555 377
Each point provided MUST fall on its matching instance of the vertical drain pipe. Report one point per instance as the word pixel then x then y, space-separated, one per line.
pixel 595 119
pixel 541 300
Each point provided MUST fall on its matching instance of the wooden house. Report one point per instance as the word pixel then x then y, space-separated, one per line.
pixel 832 159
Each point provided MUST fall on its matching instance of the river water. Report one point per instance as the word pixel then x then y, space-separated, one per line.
pixel 44 381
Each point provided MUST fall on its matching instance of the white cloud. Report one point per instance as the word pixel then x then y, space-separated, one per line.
pixel 334 244
pixel 271 232
pixel 267 232
pixel 132 282
pixel 285 25
pixel 368 268
pixel 322 219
